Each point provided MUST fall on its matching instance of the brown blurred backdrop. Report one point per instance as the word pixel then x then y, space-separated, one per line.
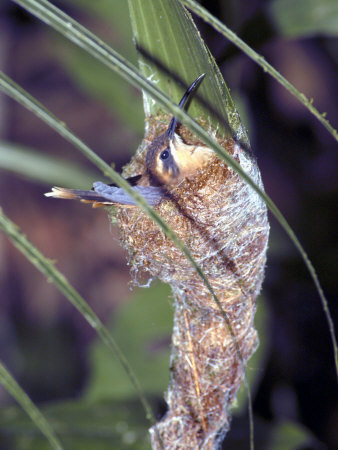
pixel 43 339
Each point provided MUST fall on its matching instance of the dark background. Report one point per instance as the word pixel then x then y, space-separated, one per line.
pixel 298 161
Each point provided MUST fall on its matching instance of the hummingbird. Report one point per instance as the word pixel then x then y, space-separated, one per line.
pixel 223 223
pixel 168 161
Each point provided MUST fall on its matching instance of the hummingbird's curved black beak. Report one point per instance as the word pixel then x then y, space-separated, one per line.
pixel 187 97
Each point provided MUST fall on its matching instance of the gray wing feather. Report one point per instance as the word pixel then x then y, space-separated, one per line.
pixel 152 194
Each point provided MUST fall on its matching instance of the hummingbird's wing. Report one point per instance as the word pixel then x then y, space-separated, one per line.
pixel 103 194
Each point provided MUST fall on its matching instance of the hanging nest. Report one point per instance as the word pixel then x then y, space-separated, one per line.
pixel 223 222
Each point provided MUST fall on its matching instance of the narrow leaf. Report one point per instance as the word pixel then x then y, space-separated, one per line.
pixel 172 54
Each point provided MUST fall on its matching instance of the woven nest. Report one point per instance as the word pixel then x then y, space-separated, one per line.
pixel 224 224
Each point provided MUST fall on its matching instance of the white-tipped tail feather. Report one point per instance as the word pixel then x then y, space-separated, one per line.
pixel 109 195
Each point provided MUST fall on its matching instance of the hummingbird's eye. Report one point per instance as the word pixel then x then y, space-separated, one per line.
pixel 165 154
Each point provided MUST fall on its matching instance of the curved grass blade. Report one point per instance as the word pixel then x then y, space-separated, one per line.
pixel 108 56
pixel 26 403
pixel 223 29
pixel 45 266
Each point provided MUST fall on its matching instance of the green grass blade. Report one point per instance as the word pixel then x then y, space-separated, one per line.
pixel 92 44
pixel 106 425
pixel 45 266
pixel 26 403
pixel 46 169
pixel 223 29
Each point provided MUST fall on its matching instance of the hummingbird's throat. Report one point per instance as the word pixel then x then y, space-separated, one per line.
pixel 189 159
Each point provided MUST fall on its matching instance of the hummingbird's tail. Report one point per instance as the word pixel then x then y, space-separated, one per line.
pixel 103 194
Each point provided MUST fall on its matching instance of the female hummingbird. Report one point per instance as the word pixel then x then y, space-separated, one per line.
pixel 223 222
pixel 168 161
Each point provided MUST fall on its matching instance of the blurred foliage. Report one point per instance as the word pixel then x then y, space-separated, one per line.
pixel 80 425
pixel 292 436
pixel 283 435
pixel 142 327
pixel 118 423
pixel 43 168
pixel 108 416
pixel 303 18
pixel 107 425
pixel 94 78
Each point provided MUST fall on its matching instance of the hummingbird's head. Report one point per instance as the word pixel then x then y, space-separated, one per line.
pixel 168 158
pixel 168 161
pixel 162 166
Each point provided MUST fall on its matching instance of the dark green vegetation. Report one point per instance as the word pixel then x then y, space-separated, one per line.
pixel 44 342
